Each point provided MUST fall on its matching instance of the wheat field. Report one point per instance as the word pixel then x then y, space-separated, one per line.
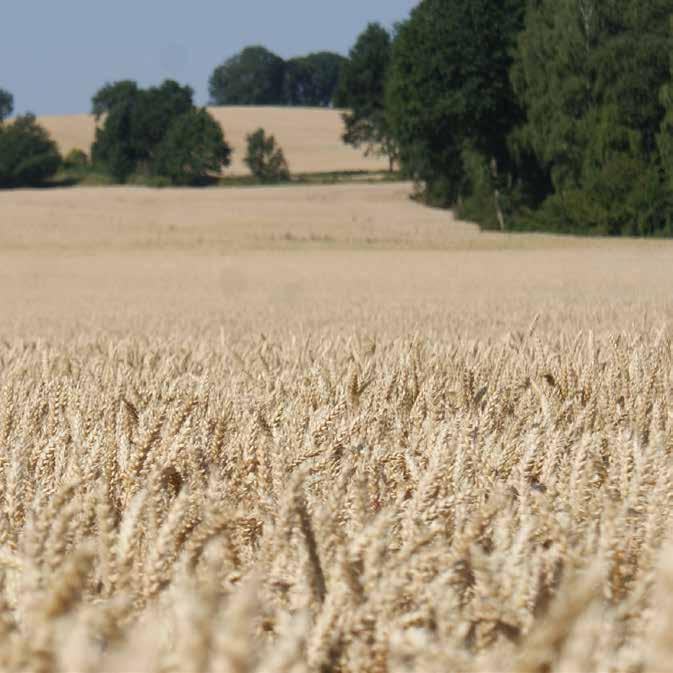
pixel 310 137
pixel 394 445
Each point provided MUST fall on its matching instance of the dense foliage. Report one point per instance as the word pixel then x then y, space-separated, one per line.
pixel 6 104
pixel 449 100
pixel 552 114
pixel 192 149
pixel 111 94
pixel 76 160
pixel 252 77
pixel 156 132
pixel 362 91
pixel 257 76
pixel 311 81
pixel 28 156
pixel 589 75
pixel 265 158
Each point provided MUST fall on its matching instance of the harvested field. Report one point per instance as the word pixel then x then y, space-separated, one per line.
pixel 241 431
pixel 310 137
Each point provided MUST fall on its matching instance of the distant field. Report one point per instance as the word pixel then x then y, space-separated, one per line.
pixel 310 137
pixel 329 216
pixel 364 256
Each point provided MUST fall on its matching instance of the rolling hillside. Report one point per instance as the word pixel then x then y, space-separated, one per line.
pixel 310 137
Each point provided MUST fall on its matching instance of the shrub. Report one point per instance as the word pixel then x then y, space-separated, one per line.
pixel 144 180
pixel 156 133
pixel 76 159
pixel 28 156
pixel 265 158
pixel 193 149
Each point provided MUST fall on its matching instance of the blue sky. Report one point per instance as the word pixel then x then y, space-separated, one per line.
pixel 55 55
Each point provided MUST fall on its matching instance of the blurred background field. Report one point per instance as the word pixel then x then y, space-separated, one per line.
pixel 360 257
pixel 310 137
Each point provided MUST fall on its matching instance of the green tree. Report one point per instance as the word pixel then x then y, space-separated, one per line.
pixel 252 77
pixel 113 148
pixel 589 74
pixel 312 80
pixel 112 94
pixel 6 104
pixel 665 136
pixel 28 156
pixel 76 159
pixel 265 158
pixel 449 101
pixel 362 89
pixel 141 127
pixel 136 122
pixel 192 150
pixel 153 113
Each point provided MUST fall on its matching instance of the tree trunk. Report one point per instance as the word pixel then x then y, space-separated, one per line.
pixel 496 194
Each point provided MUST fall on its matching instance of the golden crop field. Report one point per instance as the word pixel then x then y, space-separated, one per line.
pixel 310 137
pixel 312 429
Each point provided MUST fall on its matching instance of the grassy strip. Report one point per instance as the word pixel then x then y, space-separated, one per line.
pixel 92 177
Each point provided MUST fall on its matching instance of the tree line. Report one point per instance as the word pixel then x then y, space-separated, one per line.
pixel 154 136
pixel 257 76
pixel 28 155
pixel 531 114
pixel 520 114
pixel 158 135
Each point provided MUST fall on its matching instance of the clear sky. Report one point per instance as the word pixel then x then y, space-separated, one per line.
pixel 54 54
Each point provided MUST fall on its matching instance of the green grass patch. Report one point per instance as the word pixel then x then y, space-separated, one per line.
pixel 91 176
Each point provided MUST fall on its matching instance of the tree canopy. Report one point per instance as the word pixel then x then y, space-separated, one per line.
pixel 257 76
pixel 449 89
pixel 28 156
pixel 193 148
pixel 312 80
pixel 6 104
pixel 158 132
pixel 545 113
pixel 362 90
pixel 111 94
pixel 252 77
pixel 589 75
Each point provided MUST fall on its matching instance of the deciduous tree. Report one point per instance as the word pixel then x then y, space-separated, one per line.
pixel 112 94
pixel 449 92
pixel 589 74
pixel 158 132
pixel 28 156
pixel 252 77
pixel 192 150
pixel 362 90
pixel 6 104
pixel 312 80
pixel 265 158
